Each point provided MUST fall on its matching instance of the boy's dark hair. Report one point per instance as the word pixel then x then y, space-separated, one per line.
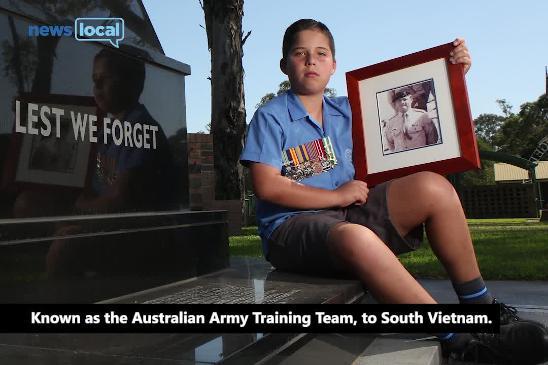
pixel 305 24
pixel 130 70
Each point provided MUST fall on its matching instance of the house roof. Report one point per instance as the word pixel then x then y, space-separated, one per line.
pixel 509 173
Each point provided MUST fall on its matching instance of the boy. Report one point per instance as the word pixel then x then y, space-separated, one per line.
pixel 315 218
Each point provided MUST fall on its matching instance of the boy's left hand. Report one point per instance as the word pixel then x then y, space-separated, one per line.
pixel 460 54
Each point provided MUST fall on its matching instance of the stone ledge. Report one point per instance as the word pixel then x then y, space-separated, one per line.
pixel 397 351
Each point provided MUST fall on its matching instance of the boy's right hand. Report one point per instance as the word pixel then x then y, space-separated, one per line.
pixel 352 192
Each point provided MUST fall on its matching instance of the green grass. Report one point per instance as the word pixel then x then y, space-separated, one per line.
pixel 248 244
pixel 507 249
pixel 245 246
pixel 500 221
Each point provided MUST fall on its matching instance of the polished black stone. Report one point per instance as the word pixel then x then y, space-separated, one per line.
pixel 131 253
pixel 51 172
pixel 87 218
pixel 250 280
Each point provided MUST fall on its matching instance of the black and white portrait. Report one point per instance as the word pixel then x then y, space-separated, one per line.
pixel 408 117
pixel 49 153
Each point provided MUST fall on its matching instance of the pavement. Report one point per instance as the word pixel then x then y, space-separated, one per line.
pixel 530 297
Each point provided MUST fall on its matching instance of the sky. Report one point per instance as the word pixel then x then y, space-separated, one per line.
pixel 508 41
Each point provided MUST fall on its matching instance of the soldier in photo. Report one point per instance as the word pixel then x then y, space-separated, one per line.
pixel 410 127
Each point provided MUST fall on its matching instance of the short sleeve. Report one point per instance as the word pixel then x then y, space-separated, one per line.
pixel 264 141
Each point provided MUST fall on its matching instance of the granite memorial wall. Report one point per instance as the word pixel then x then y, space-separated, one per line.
pixel 93 159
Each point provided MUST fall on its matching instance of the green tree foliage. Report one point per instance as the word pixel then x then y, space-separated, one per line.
pixel 505 107
pixel 520 133
pixel 515 133
pixel 283 87
pixel 487 126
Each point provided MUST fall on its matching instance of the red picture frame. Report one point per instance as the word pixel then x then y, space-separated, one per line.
pixel 389 145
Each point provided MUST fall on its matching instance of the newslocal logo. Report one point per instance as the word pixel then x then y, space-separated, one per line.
pixel 85 29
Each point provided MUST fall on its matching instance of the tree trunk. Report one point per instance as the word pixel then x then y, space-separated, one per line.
pixel 223 20
pixel 16 61
pixel 41 84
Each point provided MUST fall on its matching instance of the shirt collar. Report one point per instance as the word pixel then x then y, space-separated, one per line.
pixel 297 110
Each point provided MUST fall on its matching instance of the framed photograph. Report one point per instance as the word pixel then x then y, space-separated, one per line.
pixel 411 114
pixel 55 157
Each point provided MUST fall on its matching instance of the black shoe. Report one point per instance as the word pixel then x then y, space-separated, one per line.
pixel 519 342
pixel 508 313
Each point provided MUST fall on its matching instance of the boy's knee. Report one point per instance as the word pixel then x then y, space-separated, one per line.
pixel 344 231
pixel 433 186
pixel 349 237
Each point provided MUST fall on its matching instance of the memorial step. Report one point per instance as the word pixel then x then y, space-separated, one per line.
pixel 246 281
pixel 397 351
pixel 358 349
pixel 249 280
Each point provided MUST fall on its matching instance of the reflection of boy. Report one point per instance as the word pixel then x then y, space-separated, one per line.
pixel 126 177
pixel 113 160
pixel 410 127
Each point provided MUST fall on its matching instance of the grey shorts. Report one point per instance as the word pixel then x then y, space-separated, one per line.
pixel 300 243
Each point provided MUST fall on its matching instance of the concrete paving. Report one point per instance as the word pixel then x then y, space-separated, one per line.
pixel 529 297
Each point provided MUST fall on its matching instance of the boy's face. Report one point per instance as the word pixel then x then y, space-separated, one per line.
pixel 309 63
pixel 109 91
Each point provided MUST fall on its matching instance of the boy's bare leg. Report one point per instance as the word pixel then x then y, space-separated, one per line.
pixel 430 198
pixel 414 199
pixel 362 252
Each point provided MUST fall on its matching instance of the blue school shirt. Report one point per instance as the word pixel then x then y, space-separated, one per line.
pixel 284 123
